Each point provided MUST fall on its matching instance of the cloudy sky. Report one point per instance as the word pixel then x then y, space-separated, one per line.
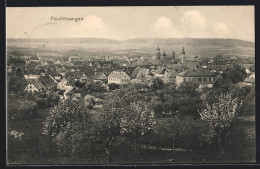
pixel 133 22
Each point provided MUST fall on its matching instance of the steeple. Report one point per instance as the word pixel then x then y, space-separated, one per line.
pixel 173 56
pixel 183 56
pixel 158 54
pixel 183 52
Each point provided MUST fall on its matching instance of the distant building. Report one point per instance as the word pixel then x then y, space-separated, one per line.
pixel 118 77
pixel 158 54
pixel 198 75
pixel 107 58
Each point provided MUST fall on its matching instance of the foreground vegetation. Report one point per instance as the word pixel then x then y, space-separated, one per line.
pixel 136 124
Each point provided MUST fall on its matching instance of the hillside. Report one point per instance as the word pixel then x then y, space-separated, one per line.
pixel 96 47
pixel 191 41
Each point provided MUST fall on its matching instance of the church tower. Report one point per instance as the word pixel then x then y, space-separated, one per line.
pixel 183 56
pixel 158 54
pixel 173 56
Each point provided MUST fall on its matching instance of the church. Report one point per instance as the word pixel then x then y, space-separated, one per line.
pixel 170 58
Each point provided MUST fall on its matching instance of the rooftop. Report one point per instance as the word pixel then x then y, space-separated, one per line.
pixel 118 74
pixel 197 73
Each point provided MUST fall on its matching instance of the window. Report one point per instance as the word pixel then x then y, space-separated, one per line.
pixel 214 79
pixel 209 79
pixel 199 79
pixel 204 79
pixel 184 79
pixel 30 87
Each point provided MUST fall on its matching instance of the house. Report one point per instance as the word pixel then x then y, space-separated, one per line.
pixel 210 61
pixel 124 63
pixel 77 77
pixel 118 77
pixel 57 62
pixel 62 84
pixel 31 76
pixel 56 76
pixel 9 69
pixel 34 86
pixel 198 75
pixel 160 72
pixel 136 81
pixel 106 66
pixel 99 76
pixel 48 82
pixel 96 65
pixel 252 76
pixel 142 73
pixel 249 81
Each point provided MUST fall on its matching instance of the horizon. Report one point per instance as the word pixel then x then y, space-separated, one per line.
pixel 125 39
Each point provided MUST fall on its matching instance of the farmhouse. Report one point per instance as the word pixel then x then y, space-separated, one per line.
pixel 34 86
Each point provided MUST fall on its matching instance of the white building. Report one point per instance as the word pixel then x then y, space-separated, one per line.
pixel 118 77
pixel 199 76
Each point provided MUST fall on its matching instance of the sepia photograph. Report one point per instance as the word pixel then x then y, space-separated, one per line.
pixel 130 85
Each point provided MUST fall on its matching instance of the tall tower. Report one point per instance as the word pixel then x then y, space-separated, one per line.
pixel 173 56
pixel 158 54
pixel 183 56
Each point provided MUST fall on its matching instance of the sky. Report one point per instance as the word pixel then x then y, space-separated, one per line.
pixel 121 23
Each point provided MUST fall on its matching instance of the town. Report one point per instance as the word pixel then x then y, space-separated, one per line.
pixel 174 86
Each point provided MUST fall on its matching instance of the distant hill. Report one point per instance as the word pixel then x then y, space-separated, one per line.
pixel 67 40
pixel 90 47
pixel 156 41
pixel 191 41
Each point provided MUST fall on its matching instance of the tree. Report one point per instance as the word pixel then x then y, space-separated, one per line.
pixel 219 117
pixel 236 73
pixel 189 88
pixel 137 121
pixel 95 87
pixel 174 127
pixel 109 124
pixel 113 86
pixel 157 84
pixel 70 126
pixel 16 84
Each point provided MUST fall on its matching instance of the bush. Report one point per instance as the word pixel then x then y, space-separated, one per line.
pixel 113 86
